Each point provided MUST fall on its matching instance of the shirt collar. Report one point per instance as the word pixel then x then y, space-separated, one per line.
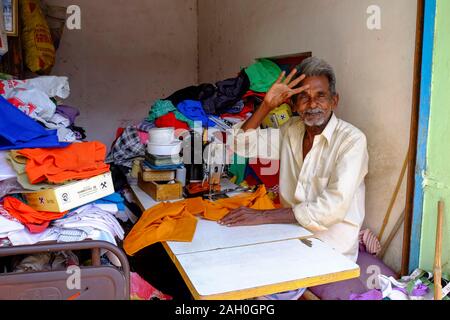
pixel 329 129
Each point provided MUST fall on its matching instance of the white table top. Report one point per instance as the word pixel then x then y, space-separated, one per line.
pixel 210 235
pixel 223 262
pixel 240 268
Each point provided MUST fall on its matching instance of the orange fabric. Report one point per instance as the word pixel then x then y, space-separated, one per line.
pixel 165 221
pixel 57 165
pixel 201 187
pixel 177 222
pixel 35 221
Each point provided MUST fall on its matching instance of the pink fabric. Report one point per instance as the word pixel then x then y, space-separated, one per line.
pixel 370 241
pixel 142 290
pixel 143 136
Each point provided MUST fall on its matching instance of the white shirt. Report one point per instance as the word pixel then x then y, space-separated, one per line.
pixel 326 190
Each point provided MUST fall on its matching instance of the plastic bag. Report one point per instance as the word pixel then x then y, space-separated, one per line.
pixel 32 102
pixel 40 52
pixel 52 86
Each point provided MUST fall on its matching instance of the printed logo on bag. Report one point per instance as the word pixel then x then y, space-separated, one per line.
pixel 65 197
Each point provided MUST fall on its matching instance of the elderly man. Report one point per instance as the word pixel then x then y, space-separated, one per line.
pixel 323 160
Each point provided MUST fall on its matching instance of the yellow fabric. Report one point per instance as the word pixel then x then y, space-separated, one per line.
pixel 177 222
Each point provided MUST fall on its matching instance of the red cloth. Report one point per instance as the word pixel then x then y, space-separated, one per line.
pixel 251 93
pixel 169 120
pixel 241 115
pixel 270 180
pixel 35 221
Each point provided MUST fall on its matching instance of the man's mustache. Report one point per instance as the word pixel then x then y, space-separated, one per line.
pixel 313 111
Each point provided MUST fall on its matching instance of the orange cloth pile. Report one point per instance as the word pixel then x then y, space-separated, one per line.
pixel 177 222
pixel 57 165
pixel 35 221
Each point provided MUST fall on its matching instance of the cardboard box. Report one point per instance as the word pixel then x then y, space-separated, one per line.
pixel 72 195
pixel 161 191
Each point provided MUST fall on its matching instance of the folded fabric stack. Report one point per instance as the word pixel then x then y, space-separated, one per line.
pixel 35 98
pixel 93 221
pixel 37 158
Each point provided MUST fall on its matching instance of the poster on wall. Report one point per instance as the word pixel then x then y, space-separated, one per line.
pixel 3 37
pixel 11 17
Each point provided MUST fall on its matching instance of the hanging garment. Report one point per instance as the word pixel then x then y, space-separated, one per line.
pixel 35 221
pixel 263 75
pixel 18 131
pixel 229 93
pixel 200 93
pixel 78 161
pixel 170 121
pixel 163 107
pixel 193 110
pixel 177 222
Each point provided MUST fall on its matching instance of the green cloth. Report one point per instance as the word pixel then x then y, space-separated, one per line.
pixel 262 75
pixel 163 107
pixel 237 168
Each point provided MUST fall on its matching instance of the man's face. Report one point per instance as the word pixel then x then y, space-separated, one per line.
pixel 316 104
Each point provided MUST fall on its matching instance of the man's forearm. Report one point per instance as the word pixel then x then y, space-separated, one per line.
pixel 280 216
pixel 257 118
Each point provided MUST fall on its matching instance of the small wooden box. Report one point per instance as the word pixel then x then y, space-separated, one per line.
pixel 161 191
pixel 156 175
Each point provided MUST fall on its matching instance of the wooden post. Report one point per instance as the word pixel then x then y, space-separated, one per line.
pixel 438 251
pixel 413 137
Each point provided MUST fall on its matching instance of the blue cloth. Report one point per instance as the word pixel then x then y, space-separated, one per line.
pixel 163 168
pixel 115 198
pixel 237 108
pixel 19 131
pixel 194 111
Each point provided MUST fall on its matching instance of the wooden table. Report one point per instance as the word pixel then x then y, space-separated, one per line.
pixel 224 263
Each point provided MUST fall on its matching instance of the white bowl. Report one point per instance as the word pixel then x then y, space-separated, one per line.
pixel 161 135
pixel 164 149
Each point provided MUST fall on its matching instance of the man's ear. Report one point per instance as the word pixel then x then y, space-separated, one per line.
pixel 335 101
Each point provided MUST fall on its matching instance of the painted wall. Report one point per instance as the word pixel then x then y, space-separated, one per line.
pixel 127 54
pixel 374 71
pixel 437 175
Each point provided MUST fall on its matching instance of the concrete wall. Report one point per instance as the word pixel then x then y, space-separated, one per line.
pixel 437 175
pixel 127 54
pixel 374 70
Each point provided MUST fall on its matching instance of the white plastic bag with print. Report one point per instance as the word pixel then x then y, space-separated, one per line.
pixel 52 86
pixel 32 102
